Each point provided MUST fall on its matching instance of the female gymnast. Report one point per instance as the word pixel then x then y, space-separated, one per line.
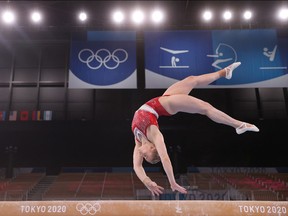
pixel 149 141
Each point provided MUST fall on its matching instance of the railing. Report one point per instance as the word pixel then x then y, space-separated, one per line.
pixel 104 186
pixel 13 195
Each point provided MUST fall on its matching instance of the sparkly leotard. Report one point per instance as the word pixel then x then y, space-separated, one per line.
pixel 147 115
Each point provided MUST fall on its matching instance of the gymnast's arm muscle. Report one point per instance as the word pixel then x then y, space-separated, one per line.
pixel 158 140
pixel 137 164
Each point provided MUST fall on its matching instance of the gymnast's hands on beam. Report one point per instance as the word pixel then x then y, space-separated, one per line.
pixel 154 188
pixel 176 187
pixel 157 190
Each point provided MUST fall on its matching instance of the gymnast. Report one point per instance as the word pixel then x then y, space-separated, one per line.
pixel 149 141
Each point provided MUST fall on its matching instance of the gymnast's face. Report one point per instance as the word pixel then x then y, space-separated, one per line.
pixel 147 151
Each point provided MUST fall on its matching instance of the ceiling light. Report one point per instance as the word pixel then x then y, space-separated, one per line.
pixel 157 16
pixel 8 17
pixel 138 16
pixel 82 16
pixel 36 17
pixel 118 17
pixel 227 15
pixel 283 14
pixel 207 15
pixel 247 15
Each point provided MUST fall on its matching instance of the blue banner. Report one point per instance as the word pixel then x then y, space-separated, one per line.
pixel 103 59
pixel 173 55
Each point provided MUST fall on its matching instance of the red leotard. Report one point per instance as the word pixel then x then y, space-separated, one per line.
pixel 143 119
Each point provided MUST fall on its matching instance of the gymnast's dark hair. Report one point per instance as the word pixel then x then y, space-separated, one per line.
pixel 156 157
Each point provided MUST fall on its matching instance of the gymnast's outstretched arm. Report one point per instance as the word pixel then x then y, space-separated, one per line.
pixel 140 172
pixel 156 137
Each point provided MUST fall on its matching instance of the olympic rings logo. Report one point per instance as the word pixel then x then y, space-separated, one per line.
pixel 88 208
pixel 102 56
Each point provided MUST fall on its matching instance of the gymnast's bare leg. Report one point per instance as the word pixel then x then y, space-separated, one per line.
pixel 180 100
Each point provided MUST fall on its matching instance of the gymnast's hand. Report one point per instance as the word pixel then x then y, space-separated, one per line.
pixel 177 187
pixel 154 188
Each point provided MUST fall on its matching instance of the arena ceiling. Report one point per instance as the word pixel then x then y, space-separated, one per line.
pixel 179 14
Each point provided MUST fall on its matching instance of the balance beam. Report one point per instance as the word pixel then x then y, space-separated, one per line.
pixel 143 207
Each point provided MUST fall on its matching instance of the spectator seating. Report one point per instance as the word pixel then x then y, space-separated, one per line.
pixel 18 187
pixel 127 186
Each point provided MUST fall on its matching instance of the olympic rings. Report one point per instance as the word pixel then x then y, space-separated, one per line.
pixel 88 208
pixel 100 60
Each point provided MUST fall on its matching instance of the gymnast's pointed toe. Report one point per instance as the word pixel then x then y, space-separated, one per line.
pixel 245 127
pixel 229 70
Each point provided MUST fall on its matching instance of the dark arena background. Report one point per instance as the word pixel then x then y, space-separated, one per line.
pixel 84 151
